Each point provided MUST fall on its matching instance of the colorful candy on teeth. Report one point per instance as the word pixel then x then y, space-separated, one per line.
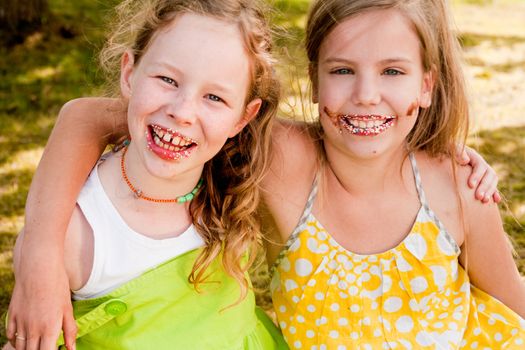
pixel 172 141
pixel 366 125
pixel 362 125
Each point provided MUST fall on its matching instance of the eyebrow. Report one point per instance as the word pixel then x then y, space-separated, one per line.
pixel 385 61
pixel 225 89
pixel 165 65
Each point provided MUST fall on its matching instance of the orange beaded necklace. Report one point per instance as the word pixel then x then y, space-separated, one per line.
pixel 138 193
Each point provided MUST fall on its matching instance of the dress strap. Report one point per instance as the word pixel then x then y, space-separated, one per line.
pixel 417 179
pixel 424 203
pixel 309 204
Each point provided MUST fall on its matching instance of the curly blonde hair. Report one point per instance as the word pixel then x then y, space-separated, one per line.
pixel 445 123
pixel 224 210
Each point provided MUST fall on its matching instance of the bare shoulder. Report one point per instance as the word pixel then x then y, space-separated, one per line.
pixel 475 211
pixel 442 181
pixel 445 183
pixel 97 113
pixel 89 105
pixel 292 135
pixel 294 162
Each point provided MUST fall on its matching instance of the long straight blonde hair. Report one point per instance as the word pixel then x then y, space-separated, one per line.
pixel 444 124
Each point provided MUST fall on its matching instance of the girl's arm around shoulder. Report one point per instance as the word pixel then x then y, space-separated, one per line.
pixel 82 131
pixel 40 304
pixel 293 165
pixel 78 260
pixel 487 250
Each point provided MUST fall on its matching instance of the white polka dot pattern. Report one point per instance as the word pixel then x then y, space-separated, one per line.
pixel 414 296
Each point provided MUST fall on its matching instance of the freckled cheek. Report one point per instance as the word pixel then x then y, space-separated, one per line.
pixel 218 126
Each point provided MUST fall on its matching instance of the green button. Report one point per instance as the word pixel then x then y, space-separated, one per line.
pixel 115 307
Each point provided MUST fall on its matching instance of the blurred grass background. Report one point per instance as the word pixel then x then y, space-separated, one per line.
pixel 58 63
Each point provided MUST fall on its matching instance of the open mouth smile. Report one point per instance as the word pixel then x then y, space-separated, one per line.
pixel 362 125
pixel 169 144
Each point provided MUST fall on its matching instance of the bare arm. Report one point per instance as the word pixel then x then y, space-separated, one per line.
pixel 40 305
pixel 284 191
pixel 487 255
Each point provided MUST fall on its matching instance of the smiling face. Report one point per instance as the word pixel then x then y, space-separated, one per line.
pixel 369 83
pixel 186 94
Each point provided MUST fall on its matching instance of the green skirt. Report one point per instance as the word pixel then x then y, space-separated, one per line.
pixel 162 310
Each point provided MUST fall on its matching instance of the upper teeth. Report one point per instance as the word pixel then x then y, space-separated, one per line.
pixel 364 124
pixel 170 137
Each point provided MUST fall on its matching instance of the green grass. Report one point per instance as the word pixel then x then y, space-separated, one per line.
pixel 59 63
pixel 504 149
pixel 52 66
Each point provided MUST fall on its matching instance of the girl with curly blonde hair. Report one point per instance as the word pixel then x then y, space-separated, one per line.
pixel 158 246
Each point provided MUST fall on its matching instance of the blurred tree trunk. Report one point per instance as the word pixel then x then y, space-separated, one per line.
pixel 20 18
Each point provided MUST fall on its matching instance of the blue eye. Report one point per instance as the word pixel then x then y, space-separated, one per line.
pixel 169 81
pixel 214 98
pixel 392 71
pixel 342 71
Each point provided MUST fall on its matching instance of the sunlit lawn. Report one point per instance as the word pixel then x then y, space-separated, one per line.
pixel 59 64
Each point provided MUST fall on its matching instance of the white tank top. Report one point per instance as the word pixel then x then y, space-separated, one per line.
pixel 120 253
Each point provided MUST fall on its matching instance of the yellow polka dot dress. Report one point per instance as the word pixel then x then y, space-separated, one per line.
pixel 414 296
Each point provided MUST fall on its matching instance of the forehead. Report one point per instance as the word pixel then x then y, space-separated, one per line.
pixel 376 32
pixel 212 32
pixel 203 44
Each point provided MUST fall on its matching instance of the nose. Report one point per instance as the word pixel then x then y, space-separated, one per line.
pixel 183 109
pixel 366 90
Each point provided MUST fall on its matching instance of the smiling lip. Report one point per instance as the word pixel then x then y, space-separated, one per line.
pixel 362 125
pixel 169 144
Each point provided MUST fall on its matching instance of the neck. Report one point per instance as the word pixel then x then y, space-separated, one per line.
pixel 366 176
pixel 155 185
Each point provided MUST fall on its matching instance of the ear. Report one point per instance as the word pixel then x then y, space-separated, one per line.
pixel 312 73
pixel 426 89
pixel 126 72
pixel 250 112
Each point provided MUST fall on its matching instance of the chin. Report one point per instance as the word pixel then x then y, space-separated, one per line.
pixel 158 167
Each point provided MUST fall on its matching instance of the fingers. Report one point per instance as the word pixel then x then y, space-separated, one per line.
pixel 70 330
pixel 11 329
pixel 478 173
pixel 483 178
pixel 487 186
pixel 462 156
pixel 33 337
pixel 38 304
pixel 20 341
pixel 496 197
pixel 47 343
